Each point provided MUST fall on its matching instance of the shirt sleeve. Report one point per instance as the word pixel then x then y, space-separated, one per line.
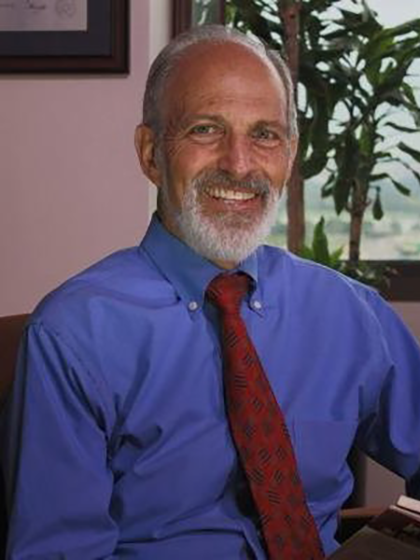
pixel 391 433
pixel 57 481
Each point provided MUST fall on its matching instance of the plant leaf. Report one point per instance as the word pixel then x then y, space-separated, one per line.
pixel 306 253
pixel 347 163
pixel 377 210
pixel 401 128
pixel 320 244
pixel 401 188
pixel 415 154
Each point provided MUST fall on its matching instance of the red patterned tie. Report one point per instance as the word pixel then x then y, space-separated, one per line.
pixel 260 433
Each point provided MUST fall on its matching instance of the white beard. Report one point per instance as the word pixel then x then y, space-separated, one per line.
pixel 228 236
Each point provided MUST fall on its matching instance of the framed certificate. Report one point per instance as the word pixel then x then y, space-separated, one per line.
pixel 64 36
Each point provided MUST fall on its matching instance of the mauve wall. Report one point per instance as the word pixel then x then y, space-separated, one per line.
pixel 70 187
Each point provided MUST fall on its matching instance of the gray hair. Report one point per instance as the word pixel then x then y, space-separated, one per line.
pixel 216 34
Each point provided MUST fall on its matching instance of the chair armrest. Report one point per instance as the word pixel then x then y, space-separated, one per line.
pixel 353 519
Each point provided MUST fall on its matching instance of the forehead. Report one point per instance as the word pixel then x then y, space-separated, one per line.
pixel 224 76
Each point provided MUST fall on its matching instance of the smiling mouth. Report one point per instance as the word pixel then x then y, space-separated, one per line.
pixel 229 194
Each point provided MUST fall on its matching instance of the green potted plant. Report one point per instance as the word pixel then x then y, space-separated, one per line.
pixel 350 75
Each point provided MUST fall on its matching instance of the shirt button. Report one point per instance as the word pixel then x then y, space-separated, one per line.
pixel 193 306
pixel 257 304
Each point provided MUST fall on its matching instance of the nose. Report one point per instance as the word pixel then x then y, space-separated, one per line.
pixel 236 156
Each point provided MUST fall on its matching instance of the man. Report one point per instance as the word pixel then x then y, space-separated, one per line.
pixel 119 444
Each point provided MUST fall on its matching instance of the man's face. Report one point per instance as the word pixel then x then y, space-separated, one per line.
pixel 225 151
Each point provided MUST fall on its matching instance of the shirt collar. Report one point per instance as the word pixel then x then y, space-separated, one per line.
pixel 187 271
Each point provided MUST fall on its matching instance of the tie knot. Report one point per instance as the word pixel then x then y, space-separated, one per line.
pixel 227 291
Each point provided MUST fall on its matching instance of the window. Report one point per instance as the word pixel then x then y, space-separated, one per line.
pixel 394 239
pixel 187 13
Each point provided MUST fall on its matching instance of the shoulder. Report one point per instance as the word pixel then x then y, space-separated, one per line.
pixel 319 300
pixel 124 278
pixel 311 283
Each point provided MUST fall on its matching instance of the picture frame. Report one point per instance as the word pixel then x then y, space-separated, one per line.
pixel 101 48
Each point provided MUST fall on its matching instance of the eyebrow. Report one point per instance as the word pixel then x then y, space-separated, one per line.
pixel 186 121
pixel 272 124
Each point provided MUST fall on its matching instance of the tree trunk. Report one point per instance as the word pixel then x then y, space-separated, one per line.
pixel 295 211
pixel 288 11
pixel 357 211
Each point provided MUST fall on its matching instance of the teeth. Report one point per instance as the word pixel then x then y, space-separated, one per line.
pixel 230 195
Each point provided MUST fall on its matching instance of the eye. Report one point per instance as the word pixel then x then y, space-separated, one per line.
pixel 266 136
pixel 203 129
pixel 205 132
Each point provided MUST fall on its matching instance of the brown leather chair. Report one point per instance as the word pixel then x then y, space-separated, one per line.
pixel 355 514
pixel 352 520
pixel 11 328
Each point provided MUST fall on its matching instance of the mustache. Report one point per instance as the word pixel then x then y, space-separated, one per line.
pixel 219 178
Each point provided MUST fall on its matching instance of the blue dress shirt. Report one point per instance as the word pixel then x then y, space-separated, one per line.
pixel 116 442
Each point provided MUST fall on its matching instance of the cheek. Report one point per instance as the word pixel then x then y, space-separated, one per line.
pixel 279 170
pixel 188 166
pixel 180 173
pixel 173 148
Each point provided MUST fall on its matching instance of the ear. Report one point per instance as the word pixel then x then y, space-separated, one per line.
pixel 145 143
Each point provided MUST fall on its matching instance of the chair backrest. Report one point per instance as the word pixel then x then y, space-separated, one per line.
pixel 11 328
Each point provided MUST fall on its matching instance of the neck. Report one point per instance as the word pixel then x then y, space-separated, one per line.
pixel 227 265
